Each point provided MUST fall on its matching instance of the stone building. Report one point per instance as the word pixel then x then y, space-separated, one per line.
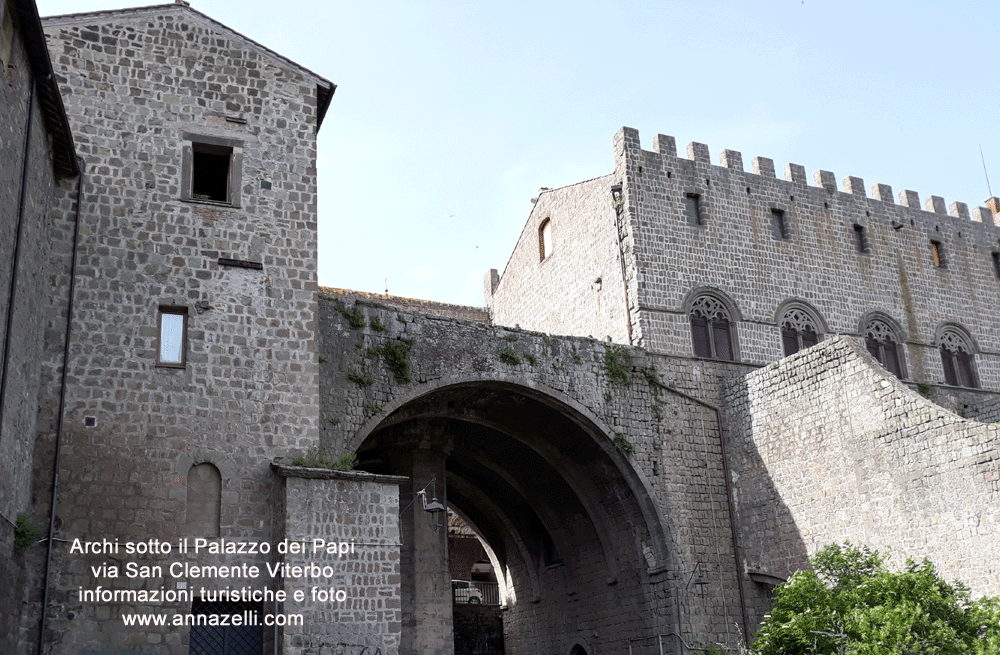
pixel 748 369
pixel 763 265
pixel 36 147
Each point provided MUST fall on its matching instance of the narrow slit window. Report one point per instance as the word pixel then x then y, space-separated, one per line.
pixel 937 253
pixel 860 239
pixel 545 240
pixel 779 228
pixel 692 208
pixel 996 264
pixel 172 337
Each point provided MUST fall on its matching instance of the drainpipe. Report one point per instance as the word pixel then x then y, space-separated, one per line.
pixel 618 200
pixel 60 410
pixel 16 256
pixel 729 502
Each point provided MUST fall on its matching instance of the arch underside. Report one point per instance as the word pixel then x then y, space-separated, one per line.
pixel 566 516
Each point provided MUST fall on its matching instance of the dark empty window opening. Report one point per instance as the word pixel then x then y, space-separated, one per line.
pixel 210 172
pixel 996 264
pixel 937 253
pixel 779 228
pixel 692 208
pixel 860 239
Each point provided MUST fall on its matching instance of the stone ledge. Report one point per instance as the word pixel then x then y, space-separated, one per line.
pixel 319 473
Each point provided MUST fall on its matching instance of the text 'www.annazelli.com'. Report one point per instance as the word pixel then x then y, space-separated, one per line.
pixel 239 619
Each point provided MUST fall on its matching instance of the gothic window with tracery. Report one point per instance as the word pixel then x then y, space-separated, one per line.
pixel 711 329
pixel 883 344
pixel 798 331
pixel 956 359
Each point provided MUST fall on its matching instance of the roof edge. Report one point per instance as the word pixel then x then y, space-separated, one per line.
pixel 49 99
pixel 324 87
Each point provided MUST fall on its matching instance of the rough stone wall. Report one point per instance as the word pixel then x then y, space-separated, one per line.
pixel 577 289
pixel 827 447
pixel 734 251
pixel 445 310
pixel 677 449
pixel 21 350
pixel 344 507
pixel 135 83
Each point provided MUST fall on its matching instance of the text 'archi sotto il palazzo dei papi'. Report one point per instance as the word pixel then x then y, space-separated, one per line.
pixel 749 366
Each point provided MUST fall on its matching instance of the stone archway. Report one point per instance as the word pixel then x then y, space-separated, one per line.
pixel 570 522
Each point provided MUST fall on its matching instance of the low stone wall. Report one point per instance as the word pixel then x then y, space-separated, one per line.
pixel 360 511
pixel 826 446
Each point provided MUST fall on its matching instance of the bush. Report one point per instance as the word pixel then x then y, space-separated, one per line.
pixel 851 604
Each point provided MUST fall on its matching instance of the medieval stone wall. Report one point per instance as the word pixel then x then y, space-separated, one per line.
pixel 828 447
pixel 576 288
pixel 676 449
pixel 140 87
pixel 819 261
pixel 26 242
pixel 843 256
pixel 343 507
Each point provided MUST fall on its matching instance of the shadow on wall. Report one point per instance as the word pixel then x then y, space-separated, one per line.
pixel 827 446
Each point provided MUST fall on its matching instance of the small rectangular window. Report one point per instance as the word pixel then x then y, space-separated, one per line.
pixel 692 208
pixel 172 342
pixel 211 169
pixel 937 252
pixel 860 239
pixel 779 229
pixel 996 264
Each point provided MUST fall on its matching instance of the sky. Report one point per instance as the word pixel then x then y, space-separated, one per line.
pixel 450 115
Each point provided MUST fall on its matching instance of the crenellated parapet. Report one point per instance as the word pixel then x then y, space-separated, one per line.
pixel 732 160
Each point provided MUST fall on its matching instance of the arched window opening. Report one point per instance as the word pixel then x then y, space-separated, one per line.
pixel 883 344
pixel 956 359
pixel 711 329
pixel 798 331
pixel 204 500
pixel 545 239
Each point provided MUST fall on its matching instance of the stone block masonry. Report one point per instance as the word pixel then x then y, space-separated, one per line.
pixel 159 98
pixel 828 447
pixel 343 507
pixel 639 246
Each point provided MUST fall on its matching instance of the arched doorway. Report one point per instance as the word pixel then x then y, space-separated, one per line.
pixel 570 524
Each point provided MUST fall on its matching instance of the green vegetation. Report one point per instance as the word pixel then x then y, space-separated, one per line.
pixel 508 356
pixel 26 533
pixel 623 444
pixel 396 355
pixel 530 358
pixel 852 604
pixel 374 409
pixel 377 325
pixel 354 316
pixel 618 364
pixel 359 379
pixel 317 460
pixel 651 375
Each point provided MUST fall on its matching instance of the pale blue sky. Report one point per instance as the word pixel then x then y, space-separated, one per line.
pixel 449 116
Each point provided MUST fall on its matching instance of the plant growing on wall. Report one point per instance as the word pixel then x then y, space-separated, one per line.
pixel 26 532
pixel 618 364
